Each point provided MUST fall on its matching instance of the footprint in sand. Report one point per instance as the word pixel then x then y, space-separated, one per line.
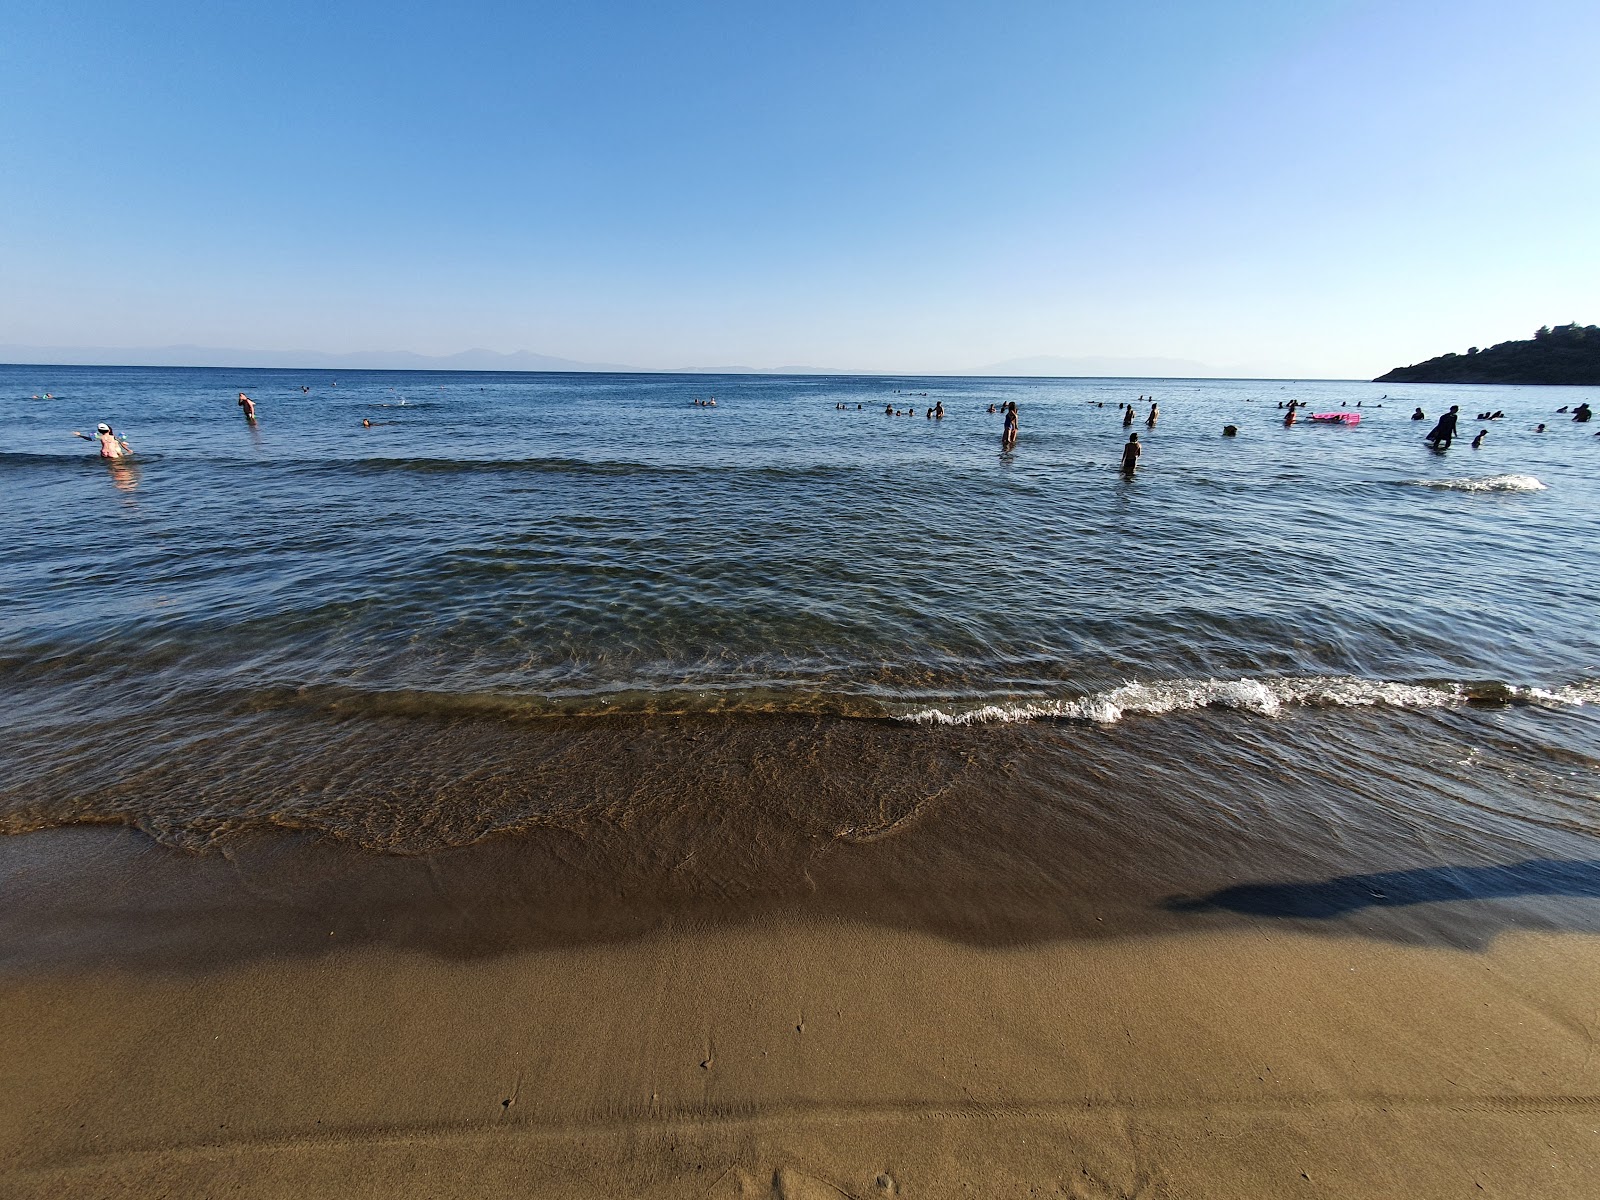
pixel 789 1184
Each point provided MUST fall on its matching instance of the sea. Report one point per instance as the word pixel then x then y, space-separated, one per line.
pixel 716 648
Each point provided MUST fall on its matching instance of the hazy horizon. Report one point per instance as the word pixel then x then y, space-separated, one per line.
pixel 1326 190
pixel 480 359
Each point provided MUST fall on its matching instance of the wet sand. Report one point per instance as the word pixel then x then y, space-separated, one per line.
pixel 291 1018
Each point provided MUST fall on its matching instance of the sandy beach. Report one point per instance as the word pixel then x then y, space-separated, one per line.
pixel 208 1025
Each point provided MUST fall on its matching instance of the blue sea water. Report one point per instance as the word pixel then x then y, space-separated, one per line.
pixel 504 548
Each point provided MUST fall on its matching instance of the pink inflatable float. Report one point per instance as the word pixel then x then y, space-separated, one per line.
pixel 1338 418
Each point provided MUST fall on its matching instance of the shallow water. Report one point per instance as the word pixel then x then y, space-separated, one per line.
pixel 404 634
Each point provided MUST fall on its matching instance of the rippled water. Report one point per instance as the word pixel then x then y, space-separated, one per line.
pixel 498 552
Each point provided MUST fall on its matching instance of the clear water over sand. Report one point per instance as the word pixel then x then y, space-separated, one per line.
pixel 519 598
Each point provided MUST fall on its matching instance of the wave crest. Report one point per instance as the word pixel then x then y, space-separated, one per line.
pixel 1489 483
pixel 1267 697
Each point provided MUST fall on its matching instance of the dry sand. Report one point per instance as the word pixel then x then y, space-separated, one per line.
pixel 152 1049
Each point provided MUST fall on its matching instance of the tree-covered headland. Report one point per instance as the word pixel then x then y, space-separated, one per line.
pixel 1563 354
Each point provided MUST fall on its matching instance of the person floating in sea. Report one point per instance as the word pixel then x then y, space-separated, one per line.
pixel 111 446
pixel 248 407
pixel 1442 434
pixel 1419 415
pixel 1130 455
pixel 1478 441
pixel 1155 415
pixel 1008 435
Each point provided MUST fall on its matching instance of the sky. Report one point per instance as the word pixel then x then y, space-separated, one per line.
pixel 1327 188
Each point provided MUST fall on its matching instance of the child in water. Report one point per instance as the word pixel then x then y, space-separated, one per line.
pixel 1130 455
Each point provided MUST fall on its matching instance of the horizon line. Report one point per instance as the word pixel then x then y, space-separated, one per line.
pixel 754 373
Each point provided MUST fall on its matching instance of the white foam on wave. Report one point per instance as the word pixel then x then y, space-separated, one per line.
pixel 1267 697
pixel 1489 483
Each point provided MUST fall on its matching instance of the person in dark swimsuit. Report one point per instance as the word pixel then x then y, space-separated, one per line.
pixel 1008 436
pixel 1130 455
pixel 1442 434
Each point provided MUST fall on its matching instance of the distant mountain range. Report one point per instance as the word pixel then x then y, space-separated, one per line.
pixel 523 360
pixel 1565 354
pixel 365 360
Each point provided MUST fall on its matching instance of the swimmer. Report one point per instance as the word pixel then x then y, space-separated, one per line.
pixel 1130 455
pixel 1289 419
pixel 1127 416
pixel 938 411
pixel 248 407
pixel 1419 415
pixel 1582 413
pixel 888 410
pixel 1540 429
pixel 1442 434
pixel 1155 415
pixel 991 408
pixel 111 446
pixel 303 388
pixel 1230 431
pixel 1008 435
pixel 366 423
pixel 1478 441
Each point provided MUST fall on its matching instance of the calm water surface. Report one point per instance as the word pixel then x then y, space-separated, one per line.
pixel 401 633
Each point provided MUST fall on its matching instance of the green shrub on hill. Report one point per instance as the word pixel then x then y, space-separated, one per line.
pixel 1563 354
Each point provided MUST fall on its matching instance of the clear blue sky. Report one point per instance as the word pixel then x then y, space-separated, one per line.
pixel 1325 186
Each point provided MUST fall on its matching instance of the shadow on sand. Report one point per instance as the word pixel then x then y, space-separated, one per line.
pixel 1329 898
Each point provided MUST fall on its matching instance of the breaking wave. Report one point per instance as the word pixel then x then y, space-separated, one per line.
pixel 1490 483
pixel 1264 696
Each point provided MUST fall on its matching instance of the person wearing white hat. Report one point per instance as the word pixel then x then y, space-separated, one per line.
pixel 111 446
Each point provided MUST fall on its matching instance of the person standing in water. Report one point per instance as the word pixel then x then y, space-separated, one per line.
pixel 1155 413
pixel 111 446
pixel 1127 416
pixel 1130 455
pixel 1008 435
pixel 248 407
pixel 1442 434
